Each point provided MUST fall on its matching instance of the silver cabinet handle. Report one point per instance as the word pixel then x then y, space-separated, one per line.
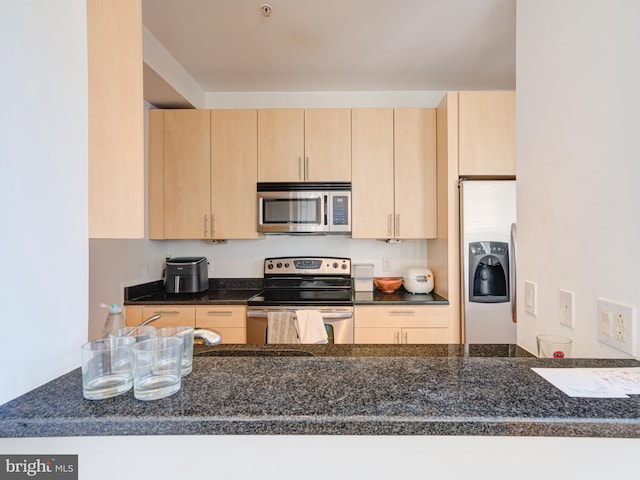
pixel 397 225
pixel 219 313
pixel 397 337
pixel 300 169
pixel 406 337
pixel 389 222
pixel 402 313
pixel 166 312
pixel 213 225
pixel 306 168
pixel 206 225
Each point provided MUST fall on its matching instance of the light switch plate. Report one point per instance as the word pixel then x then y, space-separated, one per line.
pixel 531 297
pixel 567 308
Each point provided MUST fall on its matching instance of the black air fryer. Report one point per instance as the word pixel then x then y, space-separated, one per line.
pixel 186 275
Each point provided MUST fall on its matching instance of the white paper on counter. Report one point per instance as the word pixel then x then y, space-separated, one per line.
pixel 594 382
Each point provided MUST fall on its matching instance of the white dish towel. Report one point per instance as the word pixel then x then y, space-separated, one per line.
pixel 311 327
pixel 282 328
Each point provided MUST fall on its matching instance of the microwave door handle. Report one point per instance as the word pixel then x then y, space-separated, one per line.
pixel 326 210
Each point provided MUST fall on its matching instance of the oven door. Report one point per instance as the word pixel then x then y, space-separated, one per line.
pixel 338 322
pixel 292 212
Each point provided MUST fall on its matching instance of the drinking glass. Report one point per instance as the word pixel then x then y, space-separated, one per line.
pixel 186 334
pixel 157 367
pixel 107 367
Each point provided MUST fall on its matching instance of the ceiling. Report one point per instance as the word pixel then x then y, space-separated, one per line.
pixel 339 45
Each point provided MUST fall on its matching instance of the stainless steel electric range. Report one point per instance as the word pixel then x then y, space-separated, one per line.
pixel 305 283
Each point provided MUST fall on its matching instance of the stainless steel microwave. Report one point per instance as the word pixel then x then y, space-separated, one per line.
pixel 317 208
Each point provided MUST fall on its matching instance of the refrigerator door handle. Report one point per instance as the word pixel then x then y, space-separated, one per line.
pixel 512 273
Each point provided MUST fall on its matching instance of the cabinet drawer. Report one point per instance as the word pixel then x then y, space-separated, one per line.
pixel 390 335
pixel 221 316
pixel 229 321
pixel 401 316
pixel 231 335
pixel 133 315
pixel 171 315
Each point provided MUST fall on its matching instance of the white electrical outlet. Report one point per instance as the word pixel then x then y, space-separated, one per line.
pixel 531 297
pixel 617 326
pixel 567 308
pixel 386 264
pixel 209 266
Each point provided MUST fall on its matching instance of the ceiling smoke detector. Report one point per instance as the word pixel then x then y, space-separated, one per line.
pixel 266 9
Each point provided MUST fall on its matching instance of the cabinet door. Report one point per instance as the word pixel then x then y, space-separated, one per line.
pixel 281 145
pixel 327 145
pixel 115 119
pixel 415 173
pixel 171 315
pixel 372 189
pixel 425 335
pixel 234 139
pixel 228 320
pixel 487 133
pixel 387 335
pixel 187 197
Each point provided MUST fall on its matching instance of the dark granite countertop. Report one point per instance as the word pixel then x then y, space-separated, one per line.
pixel 240 290
pixel 456 394
pixel 399 297
pixel 227 291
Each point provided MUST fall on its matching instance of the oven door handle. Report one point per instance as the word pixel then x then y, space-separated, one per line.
pixel 327 315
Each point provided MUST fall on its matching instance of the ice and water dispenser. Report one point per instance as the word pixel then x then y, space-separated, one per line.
pixel 488 272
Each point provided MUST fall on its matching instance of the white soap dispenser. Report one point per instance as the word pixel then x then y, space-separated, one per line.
pixel 114 322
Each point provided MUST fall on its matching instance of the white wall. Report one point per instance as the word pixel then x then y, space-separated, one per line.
pixel 578 72
pixel 245 258
pixel 43 198
pixel 337 457
pixel 380 99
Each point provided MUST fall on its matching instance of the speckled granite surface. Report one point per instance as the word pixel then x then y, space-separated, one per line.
pixel 457 395
pixel 240 290
pixel 399 297
pixel 227 291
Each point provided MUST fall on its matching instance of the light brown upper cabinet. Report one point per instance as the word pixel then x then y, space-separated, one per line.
pixel 202 174
pixel 179 174
pixel 116 119
pixel 487 133
pixel 234 173
pixel 296 145
pixel 394 173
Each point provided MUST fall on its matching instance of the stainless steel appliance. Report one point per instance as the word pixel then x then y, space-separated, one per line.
pixel 304 283
pixel 186 275
pixel 319 208
pixel 487 230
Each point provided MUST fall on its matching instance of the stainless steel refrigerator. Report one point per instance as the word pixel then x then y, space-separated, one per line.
pixel 488 250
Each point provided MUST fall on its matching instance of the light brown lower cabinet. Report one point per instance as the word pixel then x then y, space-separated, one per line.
pixel 228 320
pixel 401 324
pixel 171 315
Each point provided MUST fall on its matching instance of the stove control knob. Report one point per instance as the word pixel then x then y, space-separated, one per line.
pixel 335 264
pixel 286 265
pixel 270 266
pixel 279 265
pixel 344 266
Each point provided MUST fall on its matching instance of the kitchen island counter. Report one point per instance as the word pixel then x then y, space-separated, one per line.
pixel 337 395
